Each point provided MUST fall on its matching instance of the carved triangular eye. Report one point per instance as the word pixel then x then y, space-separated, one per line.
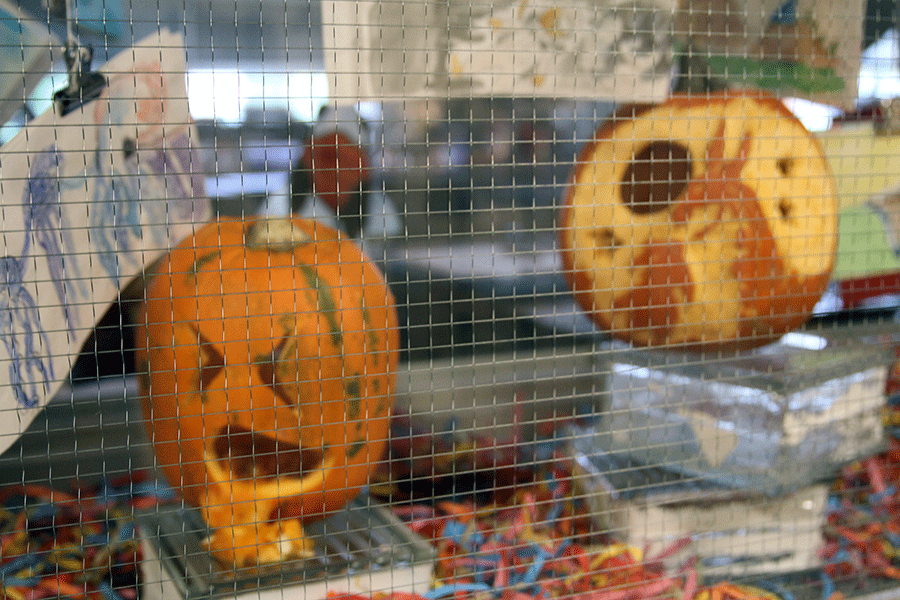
pixel 266 367
pixel 268 372
pixel 211 361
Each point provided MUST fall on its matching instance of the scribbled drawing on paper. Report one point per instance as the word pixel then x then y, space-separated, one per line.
pixel 30 370
pixel 93 197
pixel 134 182
pixel 619 50
pixel 174 168
pixel 43 223
pixel 543 44
pixel 115 217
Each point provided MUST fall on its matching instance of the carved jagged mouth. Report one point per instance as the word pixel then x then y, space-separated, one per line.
pixel 248 454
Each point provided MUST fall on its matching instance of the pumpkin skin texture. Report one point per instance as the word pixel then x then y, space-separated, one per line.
pixel 269 349
pixel 704 223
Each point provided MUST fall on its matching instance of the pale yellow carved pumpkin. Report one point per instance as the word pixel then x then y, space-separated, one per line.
pixel 706 222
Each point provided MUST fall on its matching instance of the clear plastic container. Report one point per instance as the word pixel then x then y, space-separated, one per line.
pixel 773 419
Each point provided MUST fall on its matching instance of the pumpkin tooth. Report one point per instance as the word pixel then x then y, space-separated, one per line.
pixel 294 486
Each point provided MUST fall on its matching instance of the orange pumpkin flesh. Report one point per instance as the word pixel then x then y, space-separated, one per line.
pixel 706 223
pixel 270 348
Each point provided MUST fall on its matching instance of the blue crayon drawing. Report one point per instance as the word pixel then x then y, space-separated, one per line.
pixel 174 164
pixel 30 371
pixel 115 214
pixel 43 221
pixel 129 196
pixel 132 200
pixel 26 343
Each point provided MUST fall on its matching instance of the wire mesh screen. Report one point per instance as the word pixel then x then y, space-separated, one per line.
pixel 516 300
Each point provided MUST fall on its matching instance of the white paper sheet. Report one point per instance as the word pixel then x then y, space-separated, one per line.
pixel 604 49
pixel 86 201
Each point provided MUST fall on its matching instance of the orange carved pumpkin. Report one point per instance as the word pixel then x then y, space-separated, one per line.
pixel 270 348
pixel 705 222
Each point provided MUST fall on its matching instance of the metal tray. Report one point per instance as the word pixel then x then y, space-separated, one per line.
pixel 362 548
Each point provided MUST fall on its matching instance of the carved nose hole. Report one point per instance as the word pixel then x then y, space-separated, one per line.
pixel 658 174
pixel 606 240
pixel 211 361
pixel 253 455
pixel 785 166
pixel 785 209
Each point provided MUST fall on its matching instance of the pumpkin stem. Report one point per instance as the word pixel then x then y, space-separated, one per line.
pixel 275 235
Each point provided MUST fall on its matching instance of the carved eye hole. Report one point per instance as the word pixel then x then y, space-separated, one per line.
pixel 785 166
pixel 266 366
pixel 786 209
pixel 606 240
pixel 211 361
pixel 268 372
pixel 658 174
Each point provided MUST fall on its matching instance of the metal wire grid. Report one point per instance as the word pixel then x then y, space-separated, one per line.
pixel 506 390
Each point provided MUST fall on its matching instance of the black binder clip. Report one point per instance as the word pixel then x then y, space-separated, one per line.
pixel 84 85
